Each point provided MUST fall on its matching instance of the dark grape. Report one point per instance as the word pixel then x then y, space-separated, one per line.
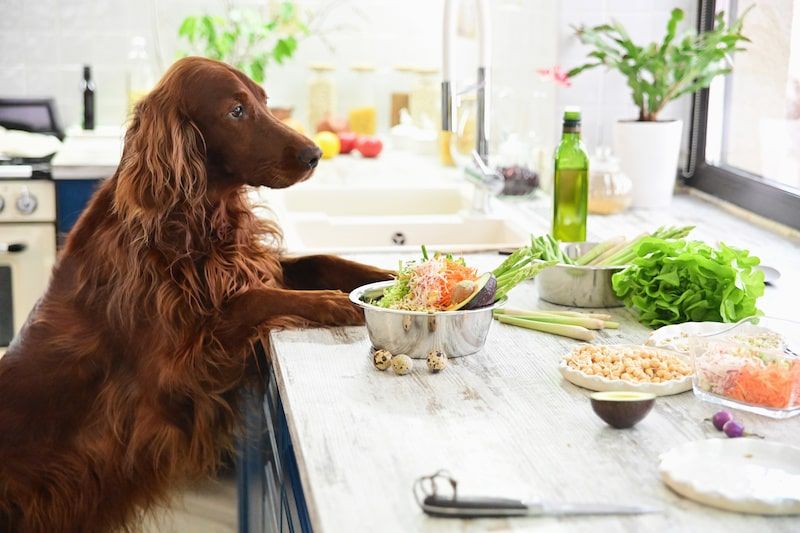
pixel 519 180
pixel 719 419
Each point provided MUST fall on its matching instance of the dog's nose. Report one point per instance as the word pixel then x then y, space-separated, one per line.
pixel 310 156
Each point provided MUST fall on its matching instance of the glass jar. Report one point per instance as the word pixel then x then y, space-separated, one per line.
pixel 424 101
pixel 753 365
pixel 363 114
pixel 400 95
pixel 140 77
pixel 321 95
pixel 610 190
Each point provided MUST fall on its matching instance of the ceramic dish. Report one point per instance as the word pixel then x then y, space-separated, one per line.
pixel 677 336
pixel 603 384
pixel 743 475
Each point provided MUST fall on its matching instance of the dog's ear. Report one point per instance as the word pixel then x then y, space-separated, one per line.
pixel 163 163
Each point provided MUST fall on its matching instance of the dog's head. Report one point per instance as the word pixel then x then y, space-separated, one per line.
pixel 206 127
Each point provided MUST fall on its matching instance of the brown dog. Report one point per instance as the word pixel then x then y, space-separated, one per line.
pixel 124 379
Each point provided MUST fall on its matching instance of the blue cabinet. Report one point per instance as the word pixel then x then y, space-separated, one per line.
pixel 270 493
pixel 71 199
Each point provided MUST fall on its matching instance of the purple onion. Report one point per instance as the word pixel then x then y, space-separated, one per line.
pixel 733 429
pixel 720 419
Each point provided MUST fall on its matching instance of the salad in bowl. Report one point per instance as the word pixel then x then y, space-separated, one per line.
pixel 439 303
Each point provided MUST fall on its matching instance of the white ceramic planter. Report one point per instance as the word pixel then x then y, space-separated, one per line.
pixel 648 154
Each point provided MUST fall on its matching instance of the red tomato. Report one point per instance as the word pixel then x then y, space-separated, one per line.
pixel 347 140
pixel 369 146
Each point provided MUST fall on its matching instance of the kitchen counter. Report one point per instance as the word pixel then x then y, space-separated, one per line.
pixel 503 421
pixel 89 155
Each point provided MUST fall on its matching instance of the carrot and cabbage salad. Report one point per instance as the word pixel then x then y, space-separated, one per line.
pixel 442 283
pixel 776 384
pixel 427 285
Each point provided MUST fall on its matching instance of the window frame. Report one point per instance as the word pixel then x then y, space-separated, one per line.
pixel 762 196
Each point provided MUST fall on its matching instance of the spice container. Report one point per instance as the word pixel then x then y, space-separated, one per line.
pixel 753 366
pixel 400 95
pixel 321 95
pixel 610 190
pixel 363 115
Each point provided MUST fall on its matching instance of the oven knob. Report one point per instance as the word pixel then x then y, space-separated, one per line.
pixel 26 202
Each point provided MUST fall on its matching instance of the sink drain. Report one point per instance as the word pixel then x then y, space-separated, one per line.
pixel 398 238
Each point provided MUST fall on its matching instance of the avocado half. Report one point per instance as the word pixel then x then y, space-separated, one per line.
pixel 622 409
pixel 481 293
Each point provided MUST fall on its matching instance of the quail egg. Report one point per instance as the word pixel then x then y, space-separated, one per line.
pixel 402 364
pixel 382 359
pixel 437 360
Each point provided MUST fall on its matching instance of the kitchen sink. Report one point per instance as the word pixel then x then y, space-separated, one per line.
pixel 455 233
pixel 378 201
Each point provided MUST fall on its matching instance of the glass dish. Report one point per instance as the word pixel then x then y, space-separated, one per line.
pixel 753 365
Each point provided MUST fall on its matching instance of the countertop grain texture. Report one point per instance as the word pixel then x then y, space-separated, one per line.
pixel 503 421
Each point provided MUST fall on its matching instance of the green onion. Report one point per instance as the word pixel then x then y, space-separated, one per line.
pixel 543 316
pixel 626 254
pixel 573 332
pixel 599 250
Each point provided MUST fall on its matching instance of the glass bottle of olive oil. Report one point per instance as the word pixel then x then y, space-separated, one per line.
pixel 571 181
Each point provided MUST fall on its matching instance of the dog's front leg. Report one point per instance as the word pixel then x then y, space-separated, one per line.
pixel 255 307
pixel 329 272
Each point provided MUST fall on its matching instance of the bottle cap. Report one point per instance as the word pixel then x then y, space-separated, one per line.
pixel 87 72
pixel 572 113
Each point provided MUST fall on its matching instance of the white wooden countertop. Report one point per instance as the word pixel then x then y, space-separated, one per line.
pixel 503 421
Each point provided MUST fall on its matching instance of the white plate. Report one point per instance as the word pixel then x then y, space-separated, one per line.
pixel 676 337
pixel 601 384
pixel 744 475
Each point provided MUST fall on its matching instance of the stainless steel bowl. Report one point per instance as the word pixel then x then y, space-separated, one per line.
pixel 415 333
pixel 578 286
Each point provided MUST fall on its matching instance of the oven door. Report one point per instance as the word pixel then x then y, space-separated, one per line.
pixel 27 255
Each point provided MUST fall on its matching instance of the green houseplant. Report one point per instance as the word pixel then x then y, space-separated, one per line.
pixel 247 38
pixel 657 74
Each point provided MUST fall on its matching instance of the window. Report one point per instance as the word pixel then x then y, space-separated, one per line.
pixel 745 140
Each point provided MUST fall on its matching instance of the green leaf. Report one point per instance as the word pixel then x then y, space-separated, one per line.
pixel 257 65
pixel 188 29
pixel 673 281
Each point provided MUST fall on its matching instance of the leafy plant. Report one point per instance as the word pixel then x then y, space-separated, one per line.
pixel 672 281
pixel 245 38
pixel 658 73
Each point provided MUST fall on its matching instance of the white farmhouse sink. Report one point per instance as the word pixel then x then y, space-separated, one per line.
pixel 390 207
pixel 455 233
pixel 345 200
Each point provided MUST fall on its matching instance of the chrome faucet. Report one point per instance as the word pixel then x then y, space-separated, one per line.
pixel 487 182
pixel 482 82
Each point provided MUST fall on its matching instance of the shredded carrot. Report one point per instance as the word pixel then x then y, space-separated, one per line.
pixel 453 274
pixel 773 385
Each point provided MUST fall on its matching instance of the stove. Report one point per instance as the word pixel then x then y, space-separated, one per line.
pixel 27 246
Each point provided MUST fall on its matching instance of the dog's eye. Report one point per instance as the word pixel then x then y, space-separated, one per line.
pixel 237 111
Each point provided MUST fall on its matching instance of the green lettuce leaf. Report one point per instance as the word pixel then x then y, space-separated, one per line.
pixel 673 281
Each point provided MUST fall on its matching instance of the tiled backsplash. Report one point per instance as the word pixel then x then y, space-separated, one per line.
pixel 44 43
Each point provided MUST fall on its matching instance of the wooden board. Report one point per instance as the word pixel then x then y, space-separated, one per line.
pixel 504 421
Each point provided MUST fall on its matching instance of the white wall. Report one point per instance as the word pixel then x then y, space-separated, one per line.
pixel 43 44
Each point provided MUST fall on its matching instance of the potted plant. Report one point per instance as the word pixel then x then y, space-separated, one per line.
pixel 658 73
pixel 249 39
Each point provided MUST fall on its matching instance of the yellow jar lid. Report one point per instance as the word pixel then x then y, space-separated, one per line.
pixel 362 67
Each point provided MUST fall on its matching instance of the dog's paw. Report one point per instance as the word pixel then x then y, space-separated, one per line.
pixel 336 309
